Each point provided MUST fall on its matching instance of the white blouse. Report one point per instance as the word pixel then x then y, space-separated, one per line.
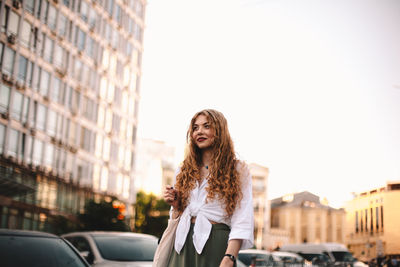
pixel 241 222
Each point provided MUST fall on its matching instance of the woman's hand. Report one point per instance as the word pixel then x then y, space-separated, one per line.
pixel 171 196
pixel 226 262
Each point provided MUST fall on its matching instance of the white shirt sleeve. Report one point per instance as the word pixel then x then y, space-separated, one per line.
pixel 242 220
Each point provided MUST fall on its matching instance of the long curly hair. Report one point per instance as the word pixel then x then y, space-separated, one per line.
pixel 223 182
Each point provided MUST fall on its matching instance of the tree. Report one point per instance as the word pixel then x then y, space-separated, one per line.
pixel 151 215
pixel 102 216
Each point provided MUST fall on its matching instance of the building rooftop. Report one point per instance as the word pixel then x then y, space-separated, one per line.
pixel 303 199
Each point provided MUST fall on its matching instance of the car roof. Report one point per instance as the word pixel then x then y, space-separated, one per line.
pixel 13 232
pixel 285 253
pixel 110 233
pixel 255 251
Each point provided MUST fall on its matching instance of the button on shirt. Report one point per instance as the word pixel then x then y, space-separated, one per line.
pixel 241 222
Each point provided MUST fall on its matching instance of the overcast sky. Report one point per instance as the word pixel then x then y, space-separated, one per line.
pixel 311 89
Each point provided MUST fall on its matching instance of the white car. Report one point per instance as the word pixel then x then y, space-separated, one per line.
pixel 259 257
pixel 289 257
pixel 114 248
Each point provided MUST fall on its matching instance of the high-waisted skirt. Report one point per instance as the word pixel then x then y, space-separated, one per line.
pixel 213 251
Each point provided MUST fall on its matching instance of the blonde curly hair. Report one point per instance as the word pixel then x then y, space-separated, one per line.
pixel 223 181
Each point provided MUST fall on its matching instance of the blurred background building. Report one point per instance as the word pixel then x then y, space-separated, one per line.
pixel 154 166
pixel 69 95
pixel 261 204
pixel 303 218
pixel 373 222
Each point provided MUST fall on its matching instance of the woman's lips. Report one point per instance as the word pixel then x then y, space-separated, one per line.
pixel 201 139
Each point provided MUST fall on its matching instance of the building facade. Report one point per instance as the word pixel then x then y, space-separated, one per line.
pixel 69 94
pixel 306 220
pixel 261 204
pixel 372 222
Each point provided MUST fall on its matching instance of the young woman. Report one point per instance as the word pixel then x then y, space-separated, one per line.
pixel 212 195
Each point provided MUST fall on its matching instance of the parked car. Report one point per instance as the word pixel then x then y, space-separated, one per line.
pixel 115 248
pixel 325 254
pixel 289 258
pixel 19 248
pixel 258 257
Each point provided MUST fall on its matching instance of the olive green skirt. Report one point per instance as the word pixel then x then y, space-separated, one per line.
pixel 213 251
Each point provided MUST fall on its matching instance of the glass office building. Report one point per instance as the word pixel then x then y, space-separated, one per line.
pixel 69 92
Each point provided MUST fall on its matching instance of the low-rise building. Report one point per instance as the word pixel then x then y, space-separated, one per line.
pixel 372 222
pixel 306 219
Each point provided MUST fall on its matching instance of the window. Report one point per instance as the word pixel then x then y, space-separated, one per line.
pixel 51 17
pixel 84 10
pixel 62 25
pixel 110 7
pixel 52 122
pixel 72 133
pixel 59 60
pixel 366 219
pixel 49 155
pixel 37 152
pixel 29 5
pixel 139 8
pixel 78 69
pixel 377 218
pixel 22 68
pixel 57 91
pixel 8 60
pixel 138 32
pixel 92 18
pixel 47 50
pixel 44 82
pixel 2 136
pixel 4 98
pixel 86 136
pixel 17 106
pixel 41 111
pixel 80 39
pixel 13 23
pixel 118 16
pixel 13 142
pixel 372 220
pixel 25 35
pixel 36 77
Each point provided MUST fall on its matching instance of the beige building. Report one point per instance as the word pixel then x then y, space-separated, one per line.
pixel 69 95
pixel 373 222
pixel 261 204
pixel 305 219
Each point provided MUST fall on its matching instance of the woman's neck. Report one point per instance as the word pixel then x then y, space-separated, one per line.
pixel 206 158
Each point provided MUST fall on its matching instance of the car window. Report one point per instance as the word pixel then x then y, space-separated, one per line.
pixel 122 248
pixel 249 258
pixel 21 251
pixel 80 243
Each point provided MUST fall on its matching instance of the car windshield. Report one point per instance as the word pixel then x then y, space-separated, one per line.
pixel 343 256
pixel 21 251
pixel 124 248
pixel 249 258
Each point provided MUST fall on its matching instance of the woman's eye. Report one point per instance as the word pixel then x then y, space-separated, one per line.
pixel 207 126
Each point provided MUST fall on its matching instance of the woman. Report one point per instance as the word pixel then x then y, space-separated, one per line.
pixel 213 196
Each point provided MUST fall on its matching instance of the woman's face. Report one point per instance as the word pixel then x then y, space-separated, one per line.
pixel 203 134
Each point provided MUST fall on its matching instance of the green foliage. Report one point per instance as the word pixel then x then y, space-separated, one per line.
pixel 101 217
pixel 151 214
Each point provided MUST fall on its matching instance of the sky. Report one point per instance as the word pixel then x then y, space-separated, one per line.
pixel 310 89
